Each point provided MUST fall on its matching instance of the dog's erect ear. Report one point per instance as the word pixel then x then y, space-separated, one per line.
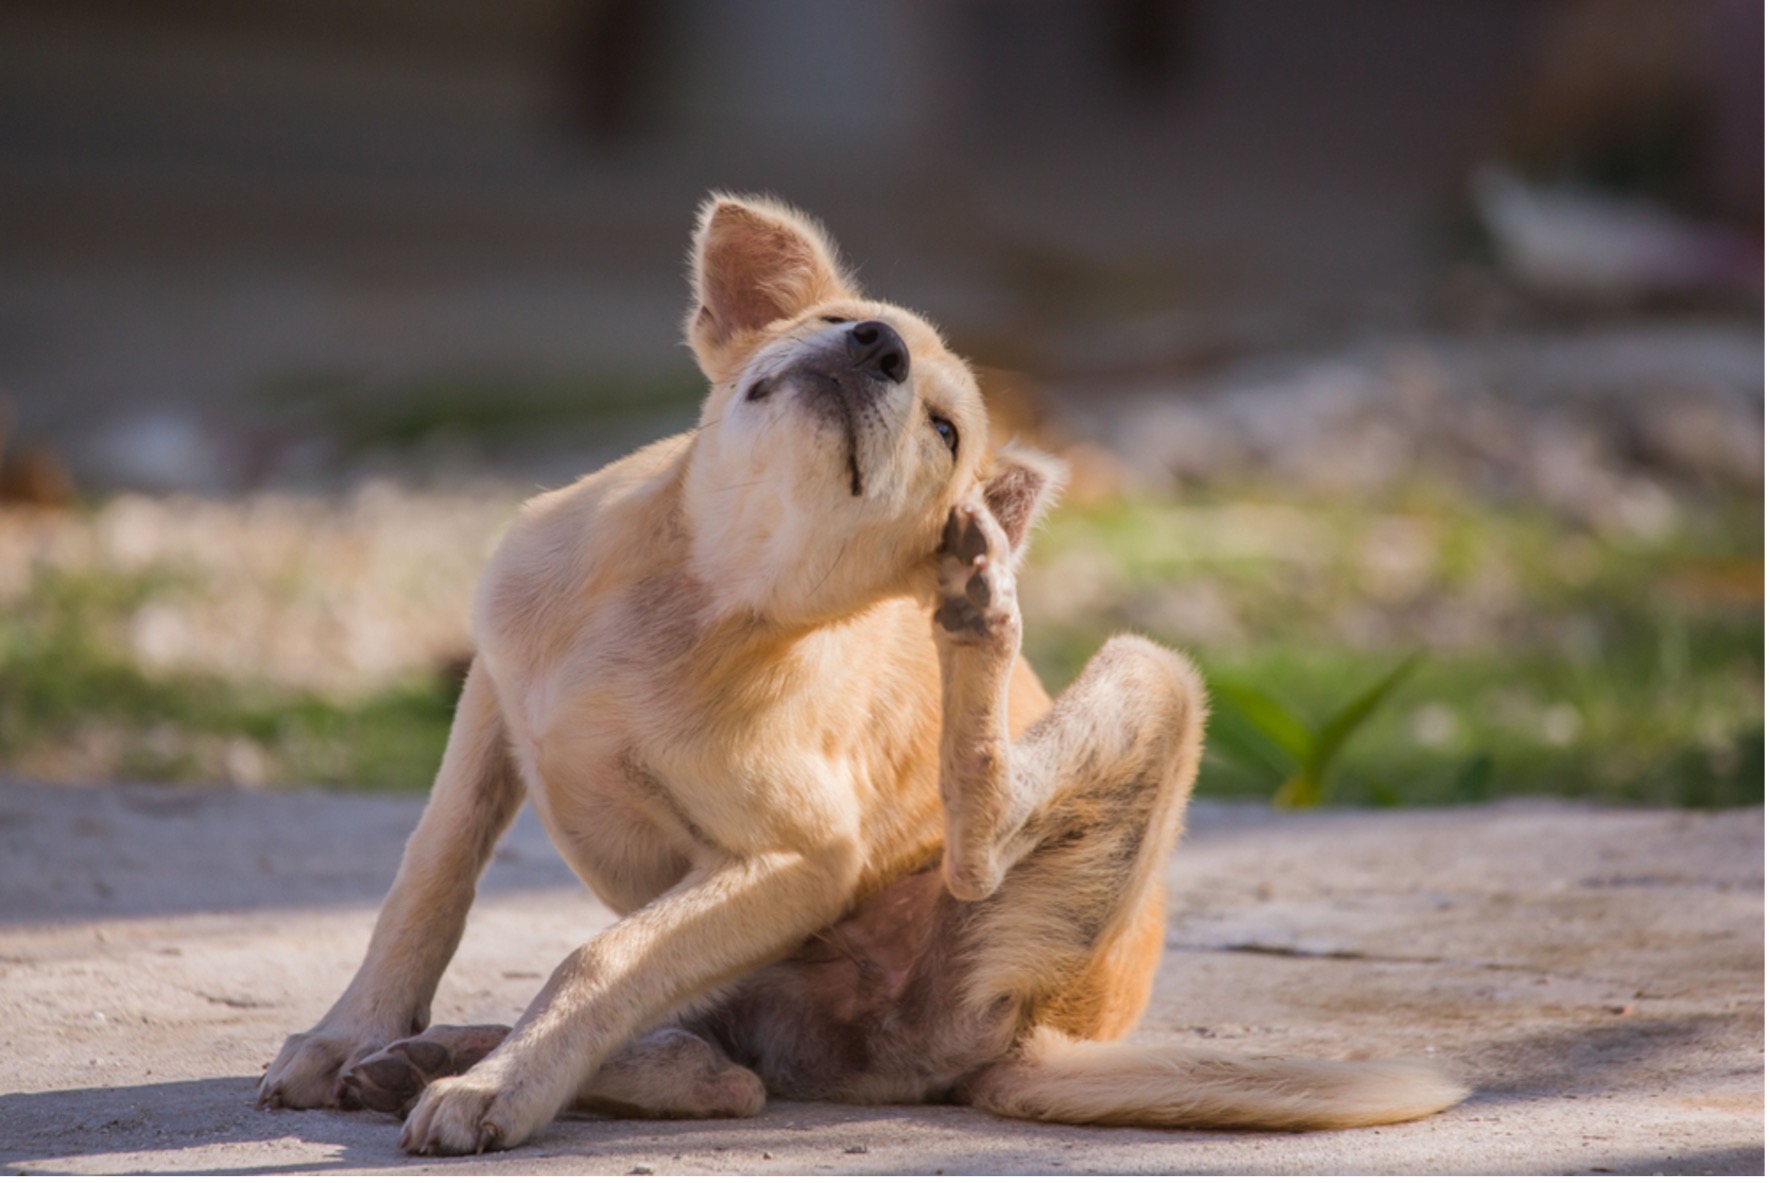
pixel 1019 485
pixel 755 262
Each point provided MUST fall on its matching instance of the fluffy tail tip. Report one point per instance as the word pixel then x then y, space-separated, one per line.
pixel 1171 1087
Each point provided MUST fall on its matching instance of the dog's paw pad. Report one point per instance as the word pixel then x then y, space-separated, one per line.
pixel 385 1082
pixel 977 598
pixel 426 1055
pixel 390 1080
pixel 965 538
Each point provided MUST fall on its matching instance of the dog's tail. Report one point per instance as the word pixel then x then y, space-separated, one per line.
pixel 1058 1079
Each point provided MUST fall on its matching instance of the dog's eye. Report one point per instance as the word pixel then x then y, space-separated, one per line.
pixel 945 430
pixel 837 320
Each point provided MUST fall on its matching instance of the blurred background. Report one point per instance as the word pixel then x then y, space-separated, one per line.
pixel 1409 357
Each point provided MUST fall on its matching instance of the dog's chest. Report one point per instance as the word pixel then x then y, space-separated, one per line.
pixel 619 828
pixel 635 806
pixel 648 760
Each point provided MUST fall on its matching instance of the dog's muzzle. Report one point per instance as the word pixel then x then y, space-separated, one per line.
pixel 843 382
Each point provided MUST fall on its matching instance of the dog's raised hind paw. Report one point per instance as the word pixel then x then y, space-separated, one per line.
pixel 976 579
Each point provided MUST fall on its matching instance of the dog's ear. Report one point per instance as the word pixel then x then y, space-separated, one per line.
pixel 1019 485
pixel 754 262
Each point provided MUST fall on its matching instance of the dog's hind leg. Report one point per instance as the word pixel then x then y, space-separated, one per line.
pixel 669 1072
pixel 1126 737
pixel 1063 855
pixel 1065 867
pixel 476 796
pixel 1074 930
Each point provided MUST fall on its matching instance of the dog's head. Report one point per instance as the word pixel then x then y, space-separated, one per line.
pixel 839 431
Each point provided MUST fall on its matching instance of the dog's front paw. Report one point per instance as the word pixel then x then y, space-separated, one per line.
pixel 309 1072
pixel 976 581
pixel 472 1114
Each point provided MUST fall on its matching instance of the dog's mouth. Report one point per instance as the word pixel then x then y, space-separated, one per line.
pixel 851 444
pixel 846 402
pixel 854 486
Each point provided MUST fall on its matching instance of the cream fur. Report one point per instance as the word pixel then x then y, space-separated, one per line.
pixel 1084 1083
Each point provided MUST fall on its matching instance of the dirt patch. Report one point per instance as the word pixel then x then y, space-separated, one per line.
pixel 1596 973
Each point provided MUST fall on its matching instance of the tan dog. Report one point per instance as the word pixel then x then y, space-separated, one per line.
pixel 762 682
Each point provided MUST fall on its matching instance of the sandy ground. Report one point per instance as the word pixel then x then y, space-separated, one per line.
pixel 1597 974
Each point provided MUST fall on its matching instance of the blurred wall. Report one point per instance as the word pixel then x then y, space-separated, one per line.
pixel 199 198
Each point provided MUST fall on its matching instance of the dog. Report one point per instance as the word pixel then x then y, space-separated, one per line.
pixel 763 683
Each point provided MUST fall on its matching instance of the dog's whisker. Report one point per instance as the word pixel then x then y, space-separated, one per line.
pixel 740 485
pixel 833 565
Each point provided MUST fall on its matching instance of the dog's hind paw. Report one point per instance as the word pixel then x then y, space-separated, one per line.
pixel 390 1080
pixel 976 580
pixel 386 1082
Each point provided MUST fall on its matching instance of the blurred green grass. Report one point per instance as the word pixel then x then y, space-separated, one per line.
pixel 71 699
pixel 1556 659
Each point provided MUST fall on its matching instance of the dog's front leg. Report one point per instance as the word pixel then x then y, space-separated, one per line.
pixel 477 793
pixel 736 916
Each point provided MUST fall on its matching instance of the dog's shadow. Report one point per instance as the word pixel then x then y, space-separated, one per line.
pixel 182 1127
pixel 211 1127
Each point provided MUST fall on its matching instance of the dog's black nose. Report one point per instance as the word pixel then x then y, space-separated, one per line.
pixel 876 349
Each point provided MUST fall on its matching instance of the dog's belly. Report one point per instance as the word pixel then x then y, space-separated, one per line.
pixel 870 1010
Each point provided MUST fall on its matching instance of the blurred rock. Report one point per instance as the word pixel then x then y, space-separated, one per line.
pixel 162 450
pixel 336 594
pixel 1587 244
pixel 1611 427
